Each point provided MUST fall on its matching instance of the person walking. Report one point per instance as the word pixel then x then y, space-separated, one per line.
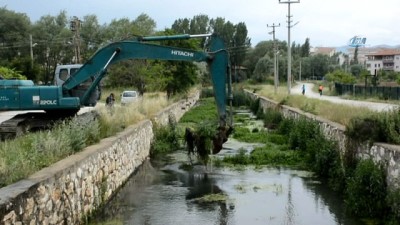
pixel 303 89
pixel 110 100
pixel 320 90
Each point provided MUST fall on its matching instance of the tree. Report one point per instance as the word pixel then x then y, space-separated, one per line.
pixel 355 59
pixel 14 35
pixel 180 75
pixel 240 44
pixel 181 26
pixel 356 69
pixel 54 43
pixel 340 76
pixel 262 49
pixel 90 34
pixel 136 73
pixel 305 48
pixel 144 25
pixel 264 68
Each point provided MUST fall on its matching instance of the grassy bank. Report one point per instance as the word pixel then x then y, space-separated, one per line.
pixel 23 156
pixel 339 113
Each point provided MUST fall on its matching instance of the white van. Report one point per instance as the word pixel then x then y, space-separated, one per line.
pixel 128 97
pixel 63 72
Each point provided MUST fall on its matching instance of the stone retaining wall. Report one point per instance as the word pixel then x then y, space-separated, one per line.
pixel 70 190
pixel 385 154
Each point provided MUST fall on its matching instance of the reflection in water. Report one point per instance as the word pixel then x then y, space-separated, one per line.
pixel 325 196
pixel 289 219
pixel 165 194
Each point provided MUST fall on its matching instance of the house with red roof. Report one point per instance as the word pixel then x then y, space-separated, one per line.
pixel 387 60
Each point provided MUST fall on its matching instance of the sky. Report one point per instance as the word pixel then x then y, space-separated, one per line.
pixel 327 23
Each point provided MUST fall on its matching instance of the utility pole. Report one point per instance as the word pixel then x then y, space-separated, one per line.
pixel 30 44
pixel 289 69
pixel 275 63
pixel 300 71
pixel 75 26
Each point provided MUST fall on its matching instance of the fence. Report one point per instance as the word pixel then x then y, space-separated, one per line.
pixel 384 92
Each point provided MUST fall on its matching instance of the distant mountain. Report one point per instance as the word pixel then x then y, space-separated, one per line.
pixel 385 46
pixel 346 48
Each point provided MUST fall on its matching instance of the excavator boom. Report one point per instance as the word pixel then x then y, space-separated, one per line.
pixel 81 88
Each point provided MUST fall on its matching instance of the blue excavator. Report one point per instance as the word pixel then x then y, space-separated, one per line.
pixel 82 88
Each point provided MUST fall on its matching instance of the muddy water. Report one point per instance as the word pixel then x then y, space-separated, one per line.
pixel 162 193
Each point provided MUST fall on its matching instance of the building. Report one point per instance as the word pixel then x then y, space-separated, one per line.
pixel 323 51
pixel 387 60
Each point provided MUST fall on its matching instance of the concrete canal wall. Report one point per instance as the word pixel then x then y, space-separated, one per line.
pixel 388 155
pixel 70 190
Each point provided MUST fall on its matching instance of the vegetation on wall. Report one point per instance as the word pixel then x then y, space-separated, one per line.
pixel 380 127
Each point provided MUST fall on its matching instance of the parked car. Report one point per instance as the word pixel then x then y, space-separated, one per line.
pixel 128 97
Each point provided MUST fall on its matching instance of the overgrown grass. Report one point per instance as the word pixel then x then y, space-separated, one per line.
pixel 166 139
pixel 23 156
pixel 379 127
pixel 339 113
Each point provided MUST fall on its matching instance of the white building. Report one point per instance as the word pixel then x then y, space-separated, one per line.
pixel 388 60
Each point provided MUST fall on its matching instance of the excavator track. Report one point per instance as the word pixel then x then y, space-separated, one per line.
pixel 24 123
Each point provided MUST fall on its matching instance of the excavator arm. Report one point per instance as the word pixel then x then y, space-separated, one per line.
pixel 81 88
pixel 95 69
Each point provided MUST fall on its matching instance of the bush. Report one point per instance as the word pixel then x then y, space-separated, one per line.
pixel 166 139
pixel 207 93
pixel 7 73
pixel 302 131
pixel 272 118
pixel 380 127
pixel 239 159
pixel 240 99
pixel 366 190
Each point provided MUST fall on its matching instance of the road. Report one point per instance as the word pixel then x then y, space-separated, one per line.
pixel 375 106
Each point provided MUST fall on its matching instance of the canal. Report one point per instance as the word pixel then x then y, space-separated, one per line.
pixel 164 192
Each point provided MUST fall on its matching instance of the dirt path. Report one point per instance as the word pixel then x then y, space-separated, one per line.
pixel 296 89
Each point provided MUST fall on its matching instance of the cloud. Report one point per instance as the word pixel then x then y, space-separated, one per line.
pixel 325 22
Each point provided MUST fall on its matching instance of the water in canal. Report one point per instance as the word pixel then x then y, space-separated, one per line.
pixel 163 193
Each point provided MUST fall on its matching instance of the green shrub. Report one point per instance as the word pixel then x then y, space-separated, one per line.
pixel 166 139
pixel 207 93
pixel 239 159
pixel 366 190
pixel 206 110
pixel 394 203
pixel 255 106
pixel 240 98
pixel 302 130
pixel 277 139
pixel 276 155
pixel 272 118
pixel 285 126
pixel 7 73
pixel 379 127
